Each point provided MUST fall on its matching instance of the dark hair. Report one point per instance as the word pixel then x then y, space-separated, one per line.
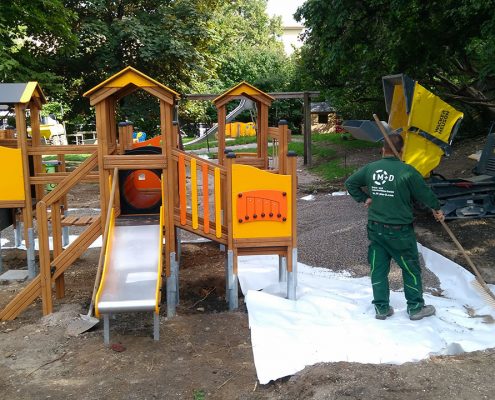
pixel 396 140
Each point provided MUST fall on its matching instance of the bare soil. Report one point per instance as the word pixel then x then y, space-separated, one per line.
pixel 205 352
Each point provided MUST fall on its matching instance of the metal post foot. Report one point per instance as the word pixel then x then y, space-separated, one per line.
pixel 31 264
pixel 282 269
pixel 292 277
pixel 172 287
pixel 106 329
pixel 156 326
pixel 231 283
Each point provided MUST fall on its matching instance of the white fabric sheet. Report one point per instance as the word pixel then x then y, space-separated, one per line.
pixel 333 318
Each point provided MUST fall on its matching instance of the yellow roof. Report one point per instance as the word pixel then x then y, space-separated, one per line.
pixel 243 88
pixel 14 93
pixel 128 76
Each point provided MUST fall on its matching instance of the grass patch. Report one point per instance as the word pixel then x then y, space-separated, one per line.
pixel 325 149
pixel 69 157
pixel 199 394
pixel 214 143
pixel 333 169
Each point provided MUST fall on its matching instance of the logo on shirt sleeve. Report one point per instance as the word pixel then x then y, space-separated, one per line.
pixel 380 177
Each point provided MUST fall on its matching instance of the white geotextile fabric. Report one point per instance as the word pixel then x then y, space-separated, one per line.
pixel 333 318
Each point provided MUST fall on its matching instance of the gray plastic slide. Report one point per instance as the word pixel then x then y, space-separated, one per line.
pixel 131 275
pixel 244 104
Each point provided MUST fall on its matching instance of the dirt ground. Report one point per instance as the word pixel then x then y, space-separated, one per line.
pixel 205 352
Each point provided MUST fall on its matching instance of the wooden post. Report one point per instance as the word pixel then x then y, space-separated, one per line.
pixel 263 133
pixel 20 119
pixel 221 134
pixel 102 129
pixel 44 254
pixel 307 130
pixel 283 147
pixel 57 246
pixel 122 137
pixel 36 141
pixel 291 157
pixel 166 124
pixel 229 161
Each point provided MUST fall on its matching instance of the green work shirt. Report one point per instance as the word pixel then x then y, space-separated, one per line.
pixel 392 187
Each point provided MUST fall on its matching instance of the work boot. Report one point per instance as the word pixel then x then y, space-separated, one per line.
pixel 426 311
pixel 382 316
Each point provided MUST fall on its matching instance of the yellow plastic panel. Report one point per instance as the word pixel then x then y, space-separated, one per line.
pixel 130 77
pixel 245 179
pixel 431 114
pixel 11 175
pixel 421 153
pixel 243 88
pixel 398 116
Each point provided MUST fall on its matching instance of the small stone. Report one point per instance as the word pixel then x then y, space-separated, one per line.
pixel 202 309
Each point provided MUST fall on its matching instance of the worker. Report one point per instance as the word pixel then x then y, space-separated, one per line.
pixel 392 186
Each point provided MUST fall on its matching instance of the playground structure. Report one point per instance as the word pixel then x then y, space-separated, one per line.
pixel 22 173
pixel 245 203
pixel 429 126
pixel 240 129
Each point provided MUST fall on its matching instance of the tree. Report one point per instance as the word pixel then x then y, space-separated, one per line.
pixel 449 46
pixel 30 36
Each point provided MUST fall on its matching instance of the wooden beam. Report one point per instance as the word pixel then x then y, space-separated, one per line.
pixel 70 180
pixel 57 177
pixel 275 95
pixel 55 150
pixel 141 161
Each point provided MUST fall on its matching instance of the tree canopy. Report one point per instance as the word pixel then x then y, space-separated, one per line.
pixel 31 36
pixel 448 46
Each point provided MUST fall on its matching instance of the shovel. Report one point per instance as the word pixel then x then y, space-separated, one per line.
pixel 87 321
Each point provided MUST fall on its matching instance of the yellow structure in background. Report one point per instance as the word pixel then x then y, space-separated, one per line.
pixel 264 193
pixel 428 123
pixel 11 175
pixel 238 129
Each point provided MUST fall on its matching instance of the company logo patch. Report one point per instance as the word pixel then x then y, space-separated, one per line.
pixel 380 177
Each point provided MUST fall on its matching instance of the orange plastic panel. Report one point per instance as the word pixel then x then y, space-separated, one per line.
pixel 154 141
pixel 262 205
pixel 182 189
pixel 206 205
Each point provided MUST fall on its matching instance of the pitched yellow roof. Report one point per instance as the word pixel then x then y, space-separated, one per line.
pixel 13 93
pixel 243 88
pixel 128 76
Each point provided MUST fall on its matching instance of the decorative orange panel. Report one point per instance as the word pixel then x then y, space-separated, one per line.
pixel 262 205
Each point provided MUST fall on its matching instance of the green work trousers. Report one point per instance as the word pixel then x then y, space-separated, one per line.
pixel 397 242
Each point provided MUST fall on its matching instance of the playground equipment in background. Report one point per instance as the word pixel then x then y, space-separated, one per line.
pixel 428 126
pixel 239 129
pixel 138 137
pixel 237 203
pixel 244 104
pixel 16 164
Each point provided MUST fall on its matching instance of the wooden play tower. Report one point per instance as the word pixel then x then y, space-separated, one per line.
pixel 245 202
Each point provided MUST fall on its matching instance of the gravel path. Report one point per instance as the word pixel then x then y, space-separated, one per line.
pixel 332 234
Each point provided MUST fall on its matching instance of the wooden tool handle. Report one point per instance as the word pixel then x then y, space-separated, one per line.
pixel 385 135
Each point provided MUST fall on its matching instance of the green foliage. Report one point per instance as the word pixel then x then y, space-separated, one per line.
pixel 32 35
pixel 448 46
pixel 199 394
pixel 54 107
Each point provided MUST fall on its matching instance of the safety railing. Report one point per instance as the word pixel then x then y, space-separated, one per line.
pixel 201 200
pixel 52 270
